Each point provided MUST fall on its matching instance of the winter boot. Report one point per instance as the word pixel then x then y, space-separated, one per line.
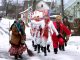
pixel 63 49
pixel 38 48
pixel 60 47
pixel 35 47
pixel 48 48
pixel 16 57
pixel 65 43
pixel 20 56
pixel 42 49
pixel 33 43
pixel 55 50
pixel 45 53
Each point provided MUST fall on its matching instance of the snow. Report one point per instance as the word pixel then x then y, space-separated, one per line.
pixel 3 59
pixel 72 51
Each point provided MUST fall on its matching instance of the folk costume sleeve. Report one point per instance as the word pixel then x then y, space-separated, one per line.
pixel 54 29
pixel 66 30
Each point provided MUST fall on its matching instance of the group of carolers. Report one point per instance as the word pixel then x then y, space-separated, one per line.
pixel 42 29
pixel 40 32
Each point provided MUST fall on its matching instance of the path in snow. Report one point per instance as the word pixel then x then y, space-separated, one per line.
pixel 62 55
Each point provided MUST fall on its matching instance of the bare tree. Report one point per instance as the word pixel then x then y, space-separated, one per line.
pixel 34 5
pixel 62 7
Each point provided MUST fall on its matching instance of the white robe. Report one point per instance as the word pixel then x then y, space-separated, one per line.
pixel 35 25
pixel 51 29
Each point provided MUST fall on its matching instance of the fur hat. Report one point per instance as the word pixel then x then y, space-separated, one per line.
pixel 58 17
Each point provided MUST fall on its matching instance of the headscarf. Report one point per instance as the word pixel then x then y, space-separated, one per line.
pixel 46 18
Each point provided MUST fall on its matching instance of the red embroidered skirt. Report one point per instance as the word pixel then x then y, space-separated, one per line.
pixel 17 50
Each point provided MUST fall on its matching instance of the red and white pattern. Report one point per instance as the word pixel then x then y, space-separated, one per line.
pixel 17 50
pixel 39 13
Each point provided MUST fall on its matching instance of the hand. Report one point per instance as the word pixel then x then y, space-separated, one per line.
pixel 22 42
pixel 20 33
pixel 59 36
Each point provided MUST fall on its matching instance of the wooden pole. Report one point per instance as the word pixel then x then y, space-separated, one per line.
pixel 17 10
pixel 62 7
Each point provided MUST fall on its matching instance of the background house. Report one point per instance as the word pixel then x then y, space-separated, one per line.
pixel 72 9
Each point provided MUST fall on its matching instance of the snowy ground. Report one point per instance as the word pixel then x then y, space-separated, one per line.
pixel 72 50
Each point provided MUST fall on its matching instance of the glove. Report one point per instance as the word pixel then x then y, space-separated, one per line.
pixel 22 42
pixel 20 33
pixel 59 36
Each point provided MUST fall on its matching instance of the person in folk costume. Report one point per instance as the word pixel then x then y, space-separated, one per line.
pixel 67 24
pixel 38 38
pixel 35 26
pixel 49 40
pixel 17 40
pixel 46 26
pixel 59 39
pixel 32 35
pixel 32 31
pixel 38 34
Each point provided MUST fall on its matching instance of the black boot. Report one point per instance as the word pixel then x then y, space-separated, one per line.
pixel 33 43
pixel 35 47
pixel 48 48
pixel 42 49
pixel 45 53
pixel 55 50
pixel 38 48
pixel 20 56
pixel 60 47
pixel 16 57
pixel 65 43
pixel 63 49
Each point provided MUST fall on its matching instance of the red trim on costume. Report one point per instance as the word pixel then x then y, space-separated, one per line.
pixel 46 28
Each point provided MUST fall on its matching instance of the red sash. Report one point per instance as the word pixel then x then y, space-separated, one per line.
pixel 45 34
